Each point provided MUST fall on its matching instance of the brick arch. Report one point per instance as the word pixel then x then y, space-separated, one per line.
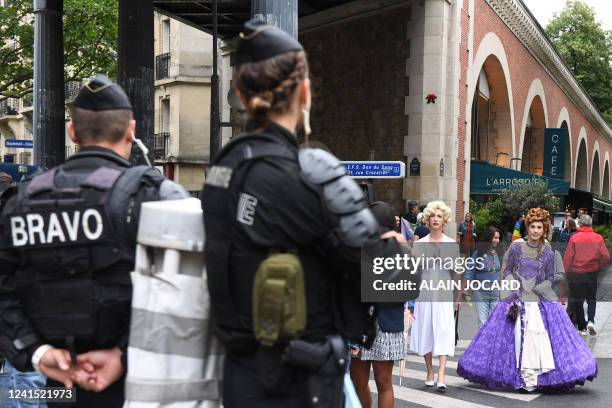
pixel 491 45
pixel 595 173
pixel 569 160
pixel 535 95
pixel 580 177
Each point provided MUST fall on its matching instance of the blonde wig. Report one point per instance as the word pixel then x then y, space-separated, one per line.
pixel 433 206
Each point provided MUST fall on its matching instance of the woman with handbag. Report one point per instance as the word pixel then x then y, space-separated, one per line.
pixel 528 342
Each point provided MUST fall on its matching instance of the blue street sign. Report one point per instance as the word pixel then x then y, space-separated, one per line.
pixel 20 144
pixel 375 169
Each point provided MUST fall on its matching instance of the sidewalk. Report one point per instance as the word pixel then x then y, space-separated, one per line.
pixel 602 343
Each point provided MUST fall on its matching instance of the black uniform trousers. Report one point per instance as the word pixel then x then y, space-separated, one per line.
pixel 112 397
pixel 241 387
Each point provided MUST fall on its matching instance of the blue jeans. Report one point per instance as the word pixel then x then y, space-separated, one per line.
pixel 12 379
pixel 485 301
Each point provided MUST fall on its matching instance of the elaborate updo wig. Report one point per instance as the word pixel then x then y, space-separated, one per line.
pixel 539 215
pixel 268 85
pixel 433 206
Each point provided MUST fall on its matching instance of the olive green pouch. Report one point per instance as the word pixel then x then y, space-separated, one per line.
pixel 279 301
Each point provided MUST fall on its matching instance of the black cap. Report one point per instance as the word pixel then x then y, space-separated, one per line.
pixel 260 41
pixel 102 94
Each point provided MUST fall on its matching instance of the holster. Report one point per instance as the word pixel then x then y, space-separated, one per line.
pixel 275 376
pixel 326 363
pixel 281 369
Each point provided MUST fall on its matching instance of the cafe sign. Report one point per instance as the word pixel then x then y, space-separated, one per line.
pixel 555 141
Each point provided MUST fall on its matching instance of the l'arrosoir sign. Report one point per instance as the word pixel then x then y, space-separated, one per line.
pixel 503 183
pixel 486 178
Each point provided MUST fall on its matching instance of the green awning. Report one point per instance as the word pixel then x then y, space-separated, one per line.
pixel 486 178
pixel 602 204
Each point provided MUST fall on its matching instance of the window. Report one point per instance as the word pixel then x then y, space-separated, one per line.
pixel 165 116
pixel 25 158
pixel 165 36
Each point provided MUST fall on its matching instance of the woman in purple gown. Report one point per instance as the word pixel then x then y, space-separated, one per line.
pixel 528 341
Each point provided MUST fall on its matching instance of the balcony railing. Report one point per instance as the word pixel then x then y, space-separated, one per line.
pixel 70 150
pixel 162 66
pixel 9 106
pixel 28 100
pixel 71 90
pixel 160 145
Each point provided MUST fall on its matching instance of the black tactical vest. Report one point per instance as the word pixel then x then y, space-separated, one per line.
pixel 232 260
pixel 74 278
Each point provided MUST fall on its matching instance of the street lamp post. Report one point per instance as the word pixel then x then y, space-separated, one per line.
pixel 48 116
pixel 215 120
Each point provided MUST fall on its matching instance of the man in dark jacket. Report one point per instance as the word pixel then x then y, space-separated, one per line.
pixel 67 243
pixel 6 182
pixel 585 255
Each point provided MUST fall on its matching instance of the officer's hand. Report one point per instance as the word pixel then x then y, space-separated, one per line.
pixel 55 364
pixel 107 369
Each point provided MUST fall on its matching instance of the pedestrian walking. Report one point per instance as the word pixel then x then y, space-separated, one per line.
pixel 467 234
pixel 68 241
pixel 570 229
pixel 6 182
pixel 433 330
pixel 486 272
pixel 528 342
pixel 586 254
pixel 421 230
pixel 283 231
pixel 388 346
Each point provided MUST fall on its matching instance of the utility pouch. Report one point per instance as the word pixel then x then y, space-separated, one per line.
pixel 279 301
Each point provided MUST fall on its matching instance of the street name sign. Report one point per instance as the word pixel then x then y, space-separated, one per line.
pixel 19 144
pixel 375 169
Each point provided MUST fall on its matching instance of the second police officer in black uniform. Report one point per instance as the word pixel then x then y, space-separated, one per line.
pixel 67 248
pixel 282 225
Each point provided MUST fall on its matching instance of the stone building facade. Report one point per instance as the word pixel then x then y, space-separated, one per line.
pixel 444 82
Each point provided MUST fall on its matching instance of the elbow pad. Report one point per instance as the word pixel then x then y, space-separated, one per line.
pixel 340 195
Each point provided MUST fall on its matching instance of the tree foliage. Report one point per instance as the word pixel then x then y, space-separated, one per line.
pixel 586 48
pixel 520 199
pixel 90 38
pixel 487 214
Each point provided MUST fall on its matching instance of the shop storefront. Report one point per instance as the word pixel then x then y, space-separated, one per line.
pixel 488 180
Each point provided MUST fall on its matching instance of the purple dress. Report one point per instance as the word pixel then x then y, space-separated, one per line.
pixel 490 359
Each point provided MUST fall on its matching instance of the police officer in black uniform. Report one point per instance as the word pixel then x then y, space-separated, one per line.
pixel 264 196
pixel 67 248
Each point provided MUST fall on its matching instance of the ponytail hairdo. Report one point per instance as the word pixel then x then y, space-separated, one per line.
pixel 268 85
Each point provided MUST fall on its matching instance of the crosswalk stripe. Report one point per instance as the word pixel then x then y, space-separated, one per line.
pixel 419 359
pixel 459 382
pixel 428 399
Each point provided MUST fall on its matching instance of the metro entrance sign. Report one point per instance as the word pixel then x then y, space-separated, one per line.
pixel 19 144
pixel 375 169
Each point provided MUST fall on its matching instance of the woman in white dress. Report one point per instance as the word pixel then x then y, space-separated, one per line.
pixel 433 331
